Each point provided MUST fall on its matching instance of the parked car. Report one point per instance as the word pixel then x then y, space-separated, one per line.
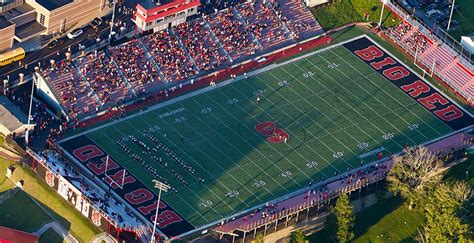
pixel 74 34
pixel 441 18
pixel 447 7
pixel 432 13
pixel 96 22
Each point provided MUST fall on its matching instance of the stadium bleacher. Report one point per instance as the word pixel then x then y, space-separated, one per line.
pixel 144 65
pixel 433 54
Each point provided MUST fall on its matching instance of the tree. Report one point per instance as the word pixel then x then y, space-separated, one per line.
pixel 297 237
pixel 259 238
pixel 344 218
pixel 443 212
pixel 414 174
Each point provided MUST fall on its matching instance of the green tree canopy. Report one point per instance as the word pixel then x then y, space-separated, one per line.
pixel 297 237
pixel 414 174
pixel 344 218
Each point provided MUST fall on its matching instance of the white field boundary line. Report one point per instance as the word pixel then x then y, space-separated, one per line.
pixel 203 90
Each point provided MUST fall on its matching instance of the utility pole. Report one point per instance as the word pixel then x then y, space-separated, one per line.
pixel 381 13
pixel 161 187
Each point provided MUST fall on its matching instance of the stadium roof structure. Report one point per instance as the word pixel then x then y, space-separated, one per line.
pixel 13 235
pixel 10 116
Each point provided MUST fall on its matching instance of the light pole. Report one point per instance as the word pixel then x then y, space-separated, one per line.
pixel 381 13
pixel 112 22
pixel 161 187
pixel 29 112
pixel 450 15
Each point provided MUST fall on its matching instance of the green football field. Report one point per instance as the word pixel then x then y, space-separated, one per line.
pixel 337 111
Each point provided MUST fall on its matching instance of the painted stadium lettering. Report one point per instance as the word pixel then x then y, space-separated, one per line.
pixel 116 179
pixel 396 73
pixel 449 113
pixel 369 53
pixel 272 132
pixel 87 152
pixel 386 61
pixel 206 203
pixel 312 164
pixel 308 74
pixel 169 113
pixel 259 183
pixel 166 218
pixel 416 88
pixel 138 196
pixel 434 98
pixel 99 168
pixel 145 210
pixel 373 152
pixel 410 83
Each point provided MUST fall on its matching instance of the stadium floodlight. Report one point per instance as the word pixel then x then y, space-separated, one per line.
pixel 161 187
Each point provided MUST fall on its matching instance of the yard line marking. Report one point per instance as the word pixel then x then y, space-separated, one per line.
pixel 166 171
pixel 175 145
pixel 203 152
pixel 336 83
pixel 383 118
pixel 375 84
pixel 254 148
pixel 330 164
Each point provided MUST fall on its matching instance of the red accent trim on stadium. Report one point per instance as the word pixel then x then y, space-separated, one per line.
pixel 465 69
pixel 165 10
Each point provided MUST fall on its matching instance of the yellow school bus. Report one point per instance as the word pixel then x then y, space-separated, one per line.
pixel 11 56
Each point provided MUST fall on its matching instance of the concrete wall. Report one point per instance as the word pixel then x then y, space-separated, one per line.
pixel 6 37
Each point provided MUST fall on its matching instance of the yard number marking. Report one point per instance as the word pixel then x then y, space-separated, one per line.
pixel 180 119
pixel 206 110
pixel 259 183
pixel 283 83
pixel 206 203
pixel 286 173
pixel 338 155
pixel 232 101
pixel 232 194
pixel 308 74
pixel 413 126
pixel 387 136
pixel 333 65
pixel 312 164
pixel 363 145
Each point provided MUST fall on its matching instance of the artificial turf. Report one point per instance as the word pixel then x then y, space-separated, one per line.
pixel 334 107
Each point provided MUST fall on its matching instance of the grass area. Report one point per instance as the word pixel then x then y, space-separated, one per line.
pixel 27 217
pixel 465 19
pixel 61 210
pixel 339 13
pixel 328 127
pixel 50 236
pixel 387 221
pixel 390 220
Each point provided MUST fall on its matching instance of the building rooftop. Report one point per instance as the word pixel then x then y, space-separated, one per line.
pixel 53 4
pixel 11 116
pixel 150 4
pixel 28 30
pixel 4 22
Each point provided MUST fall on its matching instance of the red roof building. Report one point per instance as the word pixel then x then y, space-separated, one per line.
pixel 8 235
pixel 165 14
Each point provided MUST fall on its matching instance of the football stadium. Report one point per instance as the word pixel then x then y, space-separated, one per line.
pixel 265 135
pixel 229 121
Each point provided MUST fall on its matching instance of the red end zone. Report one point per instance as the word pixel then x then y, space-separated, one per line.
pixel 410 83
